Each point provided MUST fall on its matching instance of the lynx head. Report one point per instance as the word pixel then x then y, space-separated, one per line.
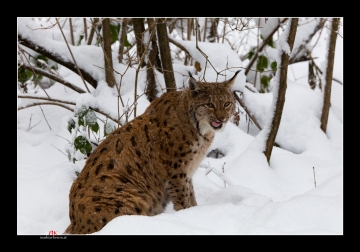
pixel 212 103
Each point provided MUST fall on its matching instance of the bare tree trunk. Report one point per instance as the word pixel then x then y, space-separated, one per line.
pixel 123 34
pixel 71 32
pixel 139 30
pixel 150 77
pixel 165 55
pixel 109 74
pixel 93 27
pixel 329 73
pixel 279 103
pixel 85 29
pixel 205 27
pixel 213 30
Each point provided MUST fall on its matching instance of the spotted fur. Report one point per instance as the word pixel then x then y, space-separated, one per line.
pixel 150 160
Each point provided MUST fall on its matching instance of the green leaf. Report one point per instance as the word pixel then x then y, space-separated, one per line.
pixel 271 43
pixel 126 42
pixel 81 38
pixel 90 118
pixel 71 125
pixel 108 128
pixel 82 144
pixel 251 54
pixel 95 127
pixel 262 63
pixel 114 31
pixel 274 66
pixel 24 74
pixel 265 80
pixel 81 113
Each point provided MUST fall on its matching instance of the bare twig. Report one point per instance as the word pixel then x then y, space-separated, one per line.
pixel 314 176
pixel 205 56
pixel 58 103
pixel 59 150
pixel 64 138
pixel 67 44
pixel 45 117
pixel 245 108
pixel 29 128
pixel 223 171
pixel 45 103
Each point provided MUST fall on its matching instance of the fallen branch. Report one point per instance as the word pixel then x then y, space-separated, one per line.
pixel 214 170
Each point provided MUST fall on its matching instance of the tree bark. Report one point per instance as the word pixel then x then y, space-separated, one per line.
pixel 85 29
pixel 153 53
pixel 93 27
pixel 109 73
pixel 279 103
pixel 57 58
pixel 123 34
pixel 329 73
pixel 71 32
pixel 139 30
pixel 165 55
pixel 213 30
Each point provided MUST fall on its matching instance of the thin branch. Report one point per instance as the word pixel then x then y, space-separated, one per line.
pixel 45 103
pixel 58 150
pixel 67 44
pixel 173 41
pixel 54 102
pixel 246 110
pixel 45 117
pixel 92 31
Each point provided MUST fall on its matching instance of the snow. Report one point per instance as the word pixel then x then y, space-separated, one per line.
pixel 299 193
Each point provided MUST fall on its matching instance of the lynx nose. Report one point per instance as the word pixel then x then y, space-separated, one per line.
pixel 221 119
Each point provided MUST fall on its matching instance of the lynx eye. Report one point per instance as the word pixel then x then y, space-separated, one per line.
pixel 227 104
pixel 210 105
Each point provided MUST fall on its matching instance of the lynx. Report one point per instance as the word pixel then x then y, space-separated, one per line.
pixel 150 160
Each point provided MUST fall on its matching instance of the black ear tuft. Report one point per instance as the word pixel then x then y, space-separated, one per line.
pixel 192 82
pixel 238 71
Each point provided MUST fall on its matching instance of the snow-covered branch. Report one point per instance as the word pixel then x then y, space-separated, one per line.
pixel 53 77
pixel 57 58
pixel 214 170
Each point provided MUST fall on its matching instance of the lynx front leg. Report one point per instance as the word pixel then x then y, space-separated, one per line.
pixel 181 191
pixel 191 192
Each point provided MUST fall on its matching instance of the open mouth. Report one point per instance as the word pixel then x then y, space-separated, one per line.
pixel 216 124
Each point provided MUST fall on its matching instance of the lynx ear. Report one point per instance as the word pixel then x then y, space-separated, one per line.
pixel 230 83
pixel 192 82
